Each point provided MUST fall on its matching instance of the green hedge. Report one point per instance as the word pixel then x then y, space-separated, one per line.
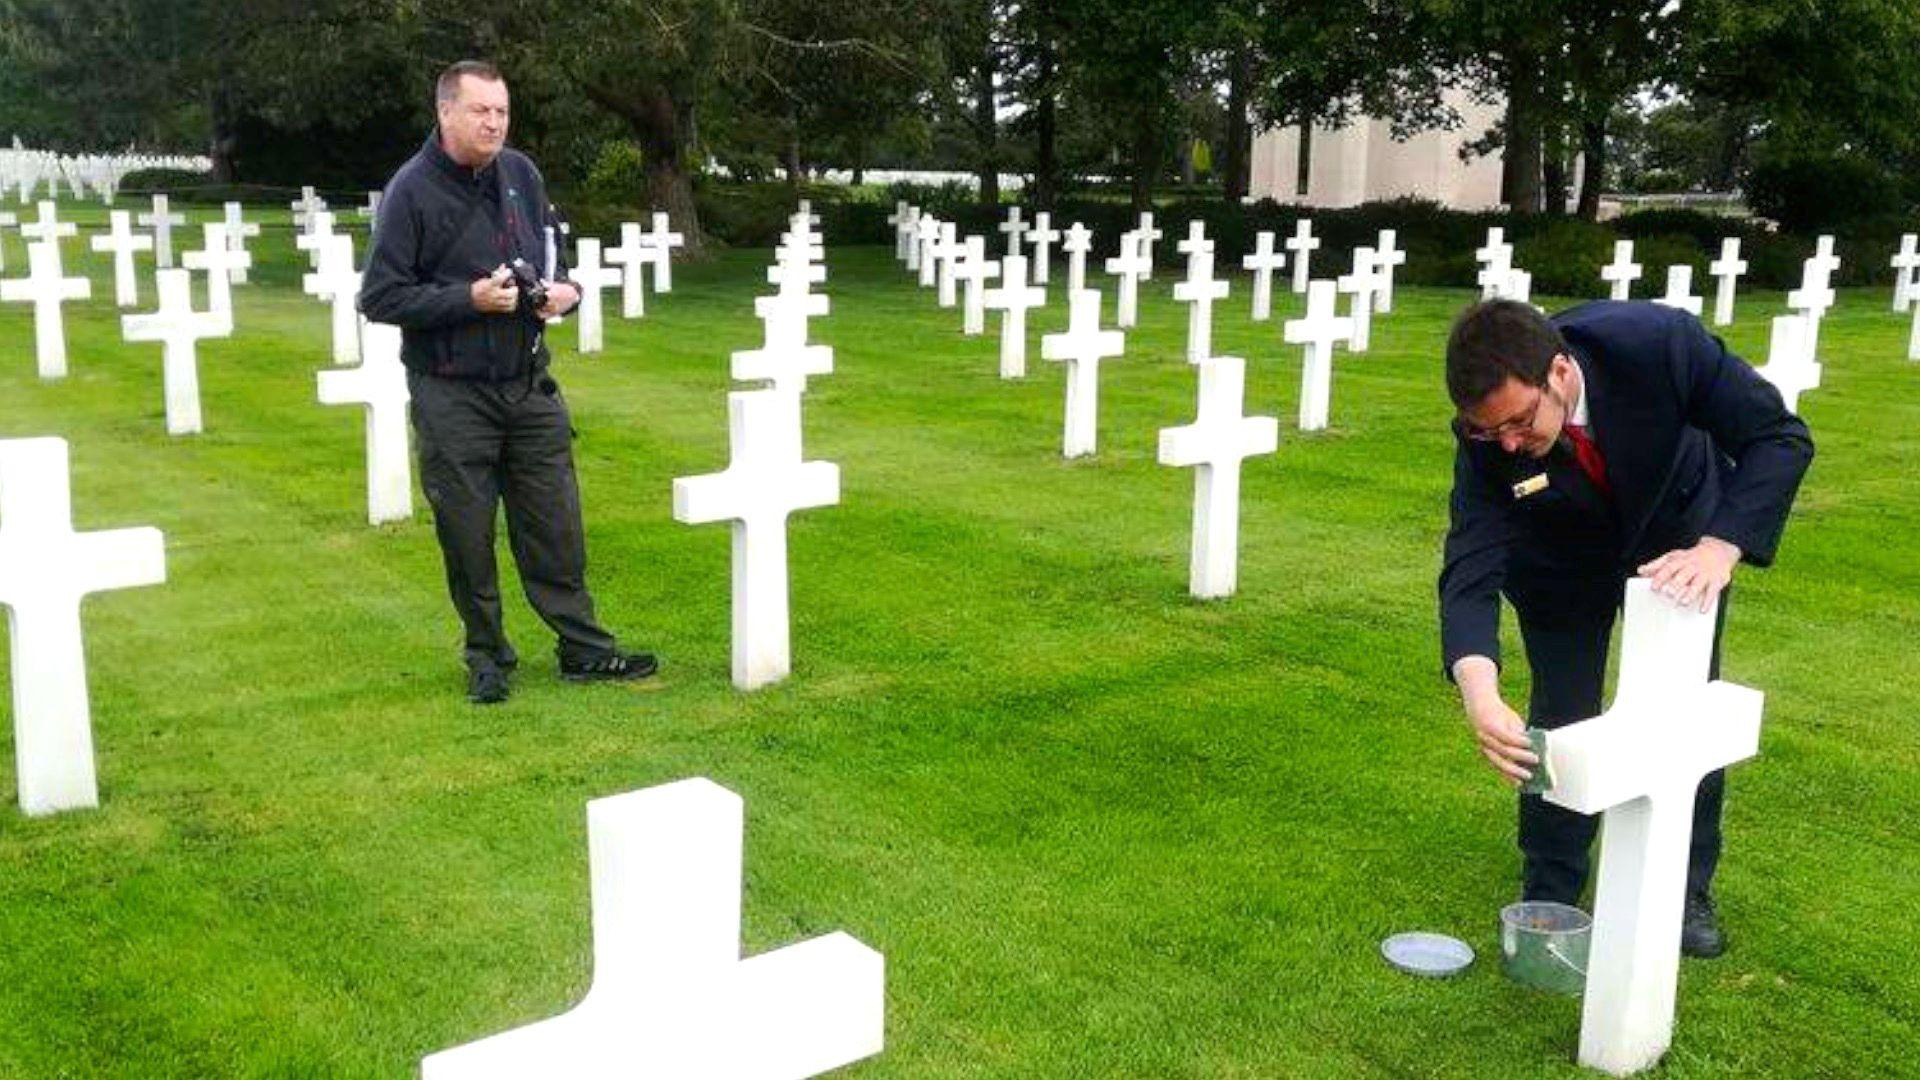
pixel 1564 255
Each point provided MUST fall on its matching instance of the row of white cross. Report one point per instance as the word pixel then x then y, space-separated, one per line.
pixel 767 477
pixel 23 171
pixel 1221 437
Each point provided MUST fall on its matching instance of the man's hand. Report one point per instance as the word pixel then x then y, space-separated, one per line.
pixel 561 296
pixel 495 294
pixel 1694 575
pixel 1501 733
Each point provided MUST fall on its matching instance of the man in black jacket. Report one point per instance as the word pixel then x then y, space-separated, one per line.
pixel 455 223
pixel 1615 439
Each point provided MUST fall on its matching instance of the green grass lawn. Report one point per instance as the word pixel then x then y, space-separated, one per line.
pixel 1097 828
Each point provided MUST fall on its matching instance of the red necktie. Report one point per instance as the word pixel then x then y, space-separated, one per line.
pixel 1588 455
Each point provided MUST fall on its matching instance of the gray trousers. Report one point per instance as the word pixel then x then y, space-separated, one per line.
pixel 482 444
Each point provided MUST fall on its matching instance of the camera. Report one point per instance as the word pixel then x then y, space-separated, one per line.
pixel 533 291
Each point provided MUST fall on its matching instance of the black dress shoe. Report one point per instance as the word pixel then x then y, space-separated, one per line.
pixel 613 667
pixel 487 686
pixel 1700 934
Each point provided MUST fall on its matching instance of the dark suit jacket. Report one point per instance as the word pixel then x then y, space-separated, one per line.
pixel 1696 444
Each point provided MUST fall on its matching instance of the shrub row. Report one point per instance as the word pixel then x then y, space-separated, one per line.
pixel 1564 255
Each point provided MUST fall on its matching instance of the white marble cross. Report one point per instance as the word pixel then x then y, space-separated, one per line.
pixel 1131 266
pixel 45 570
pixel 975 270
pixel 1680 290
pixel 178 328
pixel 238 230
pixel 46 288
pixel 1199 291
pixel 1148 237
pixel 305 206
pixel 900 220
pixel 1216 442
pixel 904 220
pixel 671 995
pixel 1013 299
pixel 1302 243
pixel 663 240
pixel 1042 236
pixel 379 384
pixel 1362 282
pixel 1790 365
pixel 1013 229
pixel 1496 272
pixel 1727 270
pixel 338 283
pixel 217 259
pixel 948 251
pixel 1081 347
pixel 1622 272
pixel 1640 764
pixel 1319 329
pixel 908 239
pixel 318 233
pixel 162 223
pixel 1496 248
pixel 630 255
pixel 370 210
pixel 122 241
pixel 766 481
pixel 926 258
pixel 1077 243
pixel 794 271
pixel 48 227
pixel 1904 262
pixel 1814 296
pixel 1519 287
pixel 590 275
pixel 784 357
pixel 1263 262
pixel 1386 259
pixel 1823 251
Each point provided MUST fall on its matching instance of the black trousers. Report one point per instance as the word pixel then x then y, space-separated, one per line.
pixel 482 444
pixel 1567 652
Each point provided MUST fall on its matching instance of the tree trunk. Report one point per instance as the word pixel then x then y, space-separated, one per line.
pixel 1303 168
pixel 1046 162
pixel 1236 157
pixel 1593 147
pixel 659 126
pixel 985 129
pixel 1521 167
pixel 1146 159
pixel 790 159
pixel 1555 170
pixel 224 139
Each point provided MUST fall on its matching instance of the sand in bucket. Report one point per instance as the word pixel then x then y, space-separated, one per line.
pixel 1544 945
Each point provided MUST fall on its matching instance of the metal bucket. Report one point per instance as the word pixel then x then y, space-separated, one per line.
pixel 1544 945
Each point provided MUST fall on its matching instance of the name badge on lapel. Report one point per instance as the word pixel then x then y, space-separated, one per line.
pixel 1532 485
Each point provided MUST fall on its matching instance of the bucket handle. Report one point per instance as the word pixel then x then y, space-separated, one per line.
pixel 1564 959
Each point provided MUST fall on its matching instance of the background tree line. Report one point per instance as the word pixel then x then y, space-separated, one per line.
pixel 1810 105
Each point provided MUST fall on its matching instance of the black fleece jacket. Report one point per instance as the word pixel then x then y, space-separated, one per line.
pixel 441 227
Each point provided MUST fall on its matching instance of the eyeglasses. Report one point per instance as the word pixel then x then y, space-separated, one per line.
pixel 1519 425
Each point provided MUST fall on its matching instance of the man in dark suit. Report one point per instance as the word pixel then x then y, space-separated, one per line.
pixel 1614 439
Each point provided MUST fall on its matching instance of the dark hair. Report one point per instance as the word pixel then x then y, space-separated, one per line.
pixel 1496 340
pixel 447 87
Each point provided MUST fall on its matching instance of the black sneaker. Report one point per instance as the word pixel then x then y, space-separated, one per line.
pixel 1700 934
pixel 487 686
pixel 613 667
